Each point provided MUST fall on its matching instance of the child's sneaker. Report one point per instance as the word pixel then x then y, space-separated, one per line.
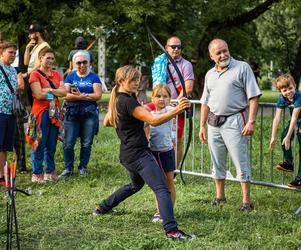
pixel 179 235
pixel 157 218
pixel 285 166
pixel 99 210
pixel 38 178
pixel 295 183
pixel 50 176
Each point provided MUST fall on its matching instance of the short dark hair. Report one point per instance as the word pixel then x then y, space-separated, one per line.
pixel 6 44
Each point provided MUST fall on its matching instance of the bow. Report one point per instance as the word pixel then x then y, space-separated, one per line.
pixel 188 111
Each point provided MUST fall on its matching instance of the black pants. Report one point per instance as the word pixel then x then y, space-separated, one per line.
pixel 146 169
pixel 20 145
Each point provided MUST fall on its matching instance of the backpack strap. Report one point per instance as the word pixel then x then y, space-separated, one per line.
pixel 173 80
pixel 7 80
pixel 47 78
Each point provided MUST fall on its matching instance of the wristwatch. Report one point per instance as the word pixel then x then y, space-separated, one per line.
pixel 252 121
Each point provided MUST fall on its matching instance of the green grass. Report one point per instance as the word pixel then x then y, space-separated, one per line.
pixel 269 96
pixel 59 215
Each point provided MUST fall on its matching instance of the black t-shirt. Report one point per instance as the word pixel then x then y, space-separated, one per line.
pixel 129 129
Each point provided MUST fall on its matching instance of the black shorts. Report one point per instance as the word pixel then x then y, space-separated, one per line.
pixel 7 132
pixel 166 160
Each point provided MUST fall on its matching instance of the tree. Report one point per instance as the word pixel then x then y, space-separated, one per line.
pixel 279 32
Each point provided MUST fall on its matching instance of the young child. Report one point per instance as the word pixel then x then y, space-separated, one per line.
pixel 128 117
pixel 289 96
pixel 161 141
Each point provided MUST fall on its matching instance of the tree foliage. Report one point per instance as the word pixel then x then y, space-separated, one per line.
pixel 252 28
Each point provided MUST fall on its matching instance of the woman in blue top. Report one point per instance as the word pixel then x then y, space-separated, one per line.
pixel 81 116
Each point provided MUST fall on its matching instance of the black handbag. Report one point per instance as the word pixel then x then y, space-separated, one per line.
pixel 18 108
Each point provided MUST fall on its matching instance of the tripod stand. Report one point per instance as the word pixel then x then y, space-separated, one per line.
pixel 11 215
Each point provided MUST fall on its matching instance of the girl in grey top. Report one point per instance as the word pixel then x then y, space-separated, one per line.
pixel 161 140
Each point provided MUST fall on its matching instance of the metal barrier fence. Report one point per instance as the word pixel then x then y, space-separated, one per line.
pixel 198 162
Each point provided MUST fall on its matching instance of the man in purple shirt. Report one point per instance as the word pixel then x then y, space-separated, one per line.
pixel 174 48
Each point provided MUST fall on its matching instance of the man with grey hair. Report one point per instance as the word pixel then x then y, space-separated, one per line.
pixel 229 88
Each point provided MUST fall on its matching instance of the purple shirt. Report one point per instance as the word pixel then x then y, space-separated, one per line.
pixel 187 72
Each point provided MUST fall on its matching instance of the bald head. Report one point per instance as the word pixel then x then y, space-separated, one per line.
pixel 216 43
pixel 219 53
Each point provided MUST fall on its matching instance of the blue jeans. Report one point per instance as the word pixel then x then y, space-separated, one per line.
pixel 80 126
pixel 46 148
pixel 146 169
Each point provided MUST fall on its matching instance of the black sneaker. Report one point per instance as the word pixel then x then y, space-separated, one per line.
pixel 246 207
pixel 179 235
pixel 285 166
pixel 99 210
pixel 295 183
pixel 217 201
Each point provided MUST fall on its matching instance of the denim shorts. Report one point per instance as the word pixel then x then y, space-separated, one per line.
pixel 7 132
pixel 166 160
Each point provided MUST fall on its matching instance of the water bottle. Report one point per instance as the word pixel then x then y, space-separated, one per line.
pixel 50 98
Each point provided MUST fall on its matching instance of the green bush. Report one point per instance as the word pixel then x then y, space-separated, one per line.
pixel 265 83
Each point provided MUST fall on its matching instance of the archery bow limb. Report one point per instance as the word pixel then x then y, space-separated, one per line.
pixel 188 111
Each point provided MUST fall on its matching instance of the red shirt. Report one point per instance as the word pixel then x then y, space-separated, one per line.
pixel 35 76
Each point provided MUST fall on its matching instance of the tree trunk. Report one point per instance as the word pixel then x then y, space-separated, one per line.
pixel 217 25
pixel 296 71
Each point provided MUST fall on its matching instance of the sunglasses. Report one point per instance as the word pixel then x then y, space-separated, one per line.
pixel 83 62
pixel 174 46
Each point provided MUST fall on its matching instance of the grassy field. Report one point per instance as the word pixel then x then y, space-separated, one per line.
pixel 59 215
pixel 269 96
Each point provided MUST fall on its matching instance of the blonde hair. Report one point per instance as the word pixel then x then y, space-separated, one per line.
pixel 126 73
pixel 284 81
pixel 159 87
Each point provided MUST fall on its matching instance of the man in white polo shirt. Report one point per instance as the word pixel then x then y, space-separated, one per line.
pixel 229 88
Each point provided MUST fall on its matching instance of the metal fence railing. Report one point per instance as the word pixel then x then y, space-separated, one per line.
pixel 262 159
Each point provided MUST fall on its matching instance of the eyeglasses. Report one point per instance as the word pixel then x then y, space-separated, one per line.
pixel 175 46
pixel 83 62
